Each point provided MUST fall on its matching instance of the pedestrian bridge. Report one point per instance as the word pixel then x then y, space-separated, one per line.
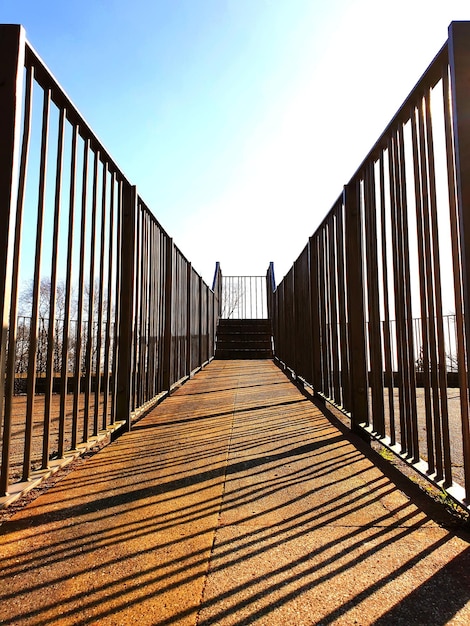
pixel 247 487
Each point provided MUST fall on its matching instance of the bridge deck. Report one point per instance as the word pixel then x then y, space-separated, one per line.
pixel 236 501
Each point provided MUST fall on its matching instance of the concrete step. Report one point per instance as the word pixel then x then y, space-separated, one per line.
pixel 244 339
pixel 246 353
pixel 248 339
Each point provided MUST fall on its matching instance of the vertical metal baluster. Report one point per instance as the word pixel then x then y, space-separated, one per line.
pixel 427 316
pixel 458 288
pixel 188 319
pixel 168 288
pixel 372 264
pixel 427 313
pixel 333 298
pixel 117 300
pixel 91 304
pixel 140 314
pixel 99 322
pixel 12 52
pixel 442 369
pixel 264 299
pixel 343 331
pixel 386 304
pixel 32 358
pixel 459 64
pixel 161 297
pixel 52 296
pixel 175 306
pixel 328 307
pixel 296 362
pixel 255 305
pixel 139 337
pixel 13 325
pixel 196 317
pixel 199 320
pixel 409 355
pixel 356 313
pixel 68 297
pixel 150 313
pixel 239 287
pixel 245 296
pixel 127 302
pixel 409 318
pixel 205 322
pixel 145 311
pixel 110 304
pixel 182 316
pixel 323 314
pixel 135 312
pixel 155 308
pixel 192 318
pixel 149 310
pixel 281 322
pixel 429 320
pixel 81 281
pixel 398 290
pixel 307 347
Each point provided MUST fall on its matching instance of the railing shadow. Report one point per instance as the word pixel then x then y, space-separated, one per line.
pixel 139 534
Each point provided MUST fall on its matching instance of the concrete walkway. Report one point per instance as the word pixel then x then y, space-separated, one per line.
pixel 236 501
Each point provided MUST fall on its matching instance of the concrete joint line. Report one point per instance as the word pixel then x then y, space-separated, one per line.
pixel 222 497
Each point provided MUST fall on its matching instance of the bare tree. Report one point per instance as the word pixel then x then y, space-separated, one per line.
pixel 91 336
pixel 25 306
pixel 232 296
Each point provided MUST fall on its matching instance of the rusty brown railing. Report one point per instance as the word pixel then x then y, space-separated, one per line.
pixel 116 314
pixel 393 248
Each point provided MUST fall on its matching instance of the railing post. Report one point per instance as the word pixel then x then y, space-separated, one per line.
pixel 459 61
pixel 167 340
pixel 12 50
pixel 270 289
pixel 314 296
pixel 216 304
pixel 200 321
pixel 208 321
pixel 126 303
pixel 356 308
pixel 189 271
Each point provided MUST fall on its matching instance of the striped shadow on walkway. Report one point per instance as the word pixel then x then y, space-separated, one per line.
pixel 236 501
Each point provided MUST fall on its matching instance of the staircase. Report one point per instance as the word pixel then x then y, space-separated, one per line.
pixel 244 339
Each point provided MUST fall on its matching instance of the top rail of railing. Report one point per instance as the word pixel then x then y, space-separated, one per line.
pixel 45 78
pixel 428 80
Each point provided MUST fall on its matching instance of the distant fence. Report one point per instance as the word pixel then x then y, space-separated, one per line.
pixel 127 315
pixel 395 247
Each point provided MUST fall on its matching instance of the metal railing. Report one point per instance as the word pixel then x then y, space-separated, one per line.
pixel 243 297
pixel 116 315
pixel 395 246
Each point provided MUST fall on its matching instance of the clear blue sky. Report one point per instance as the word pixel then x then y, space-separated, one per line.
pixel 238 120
